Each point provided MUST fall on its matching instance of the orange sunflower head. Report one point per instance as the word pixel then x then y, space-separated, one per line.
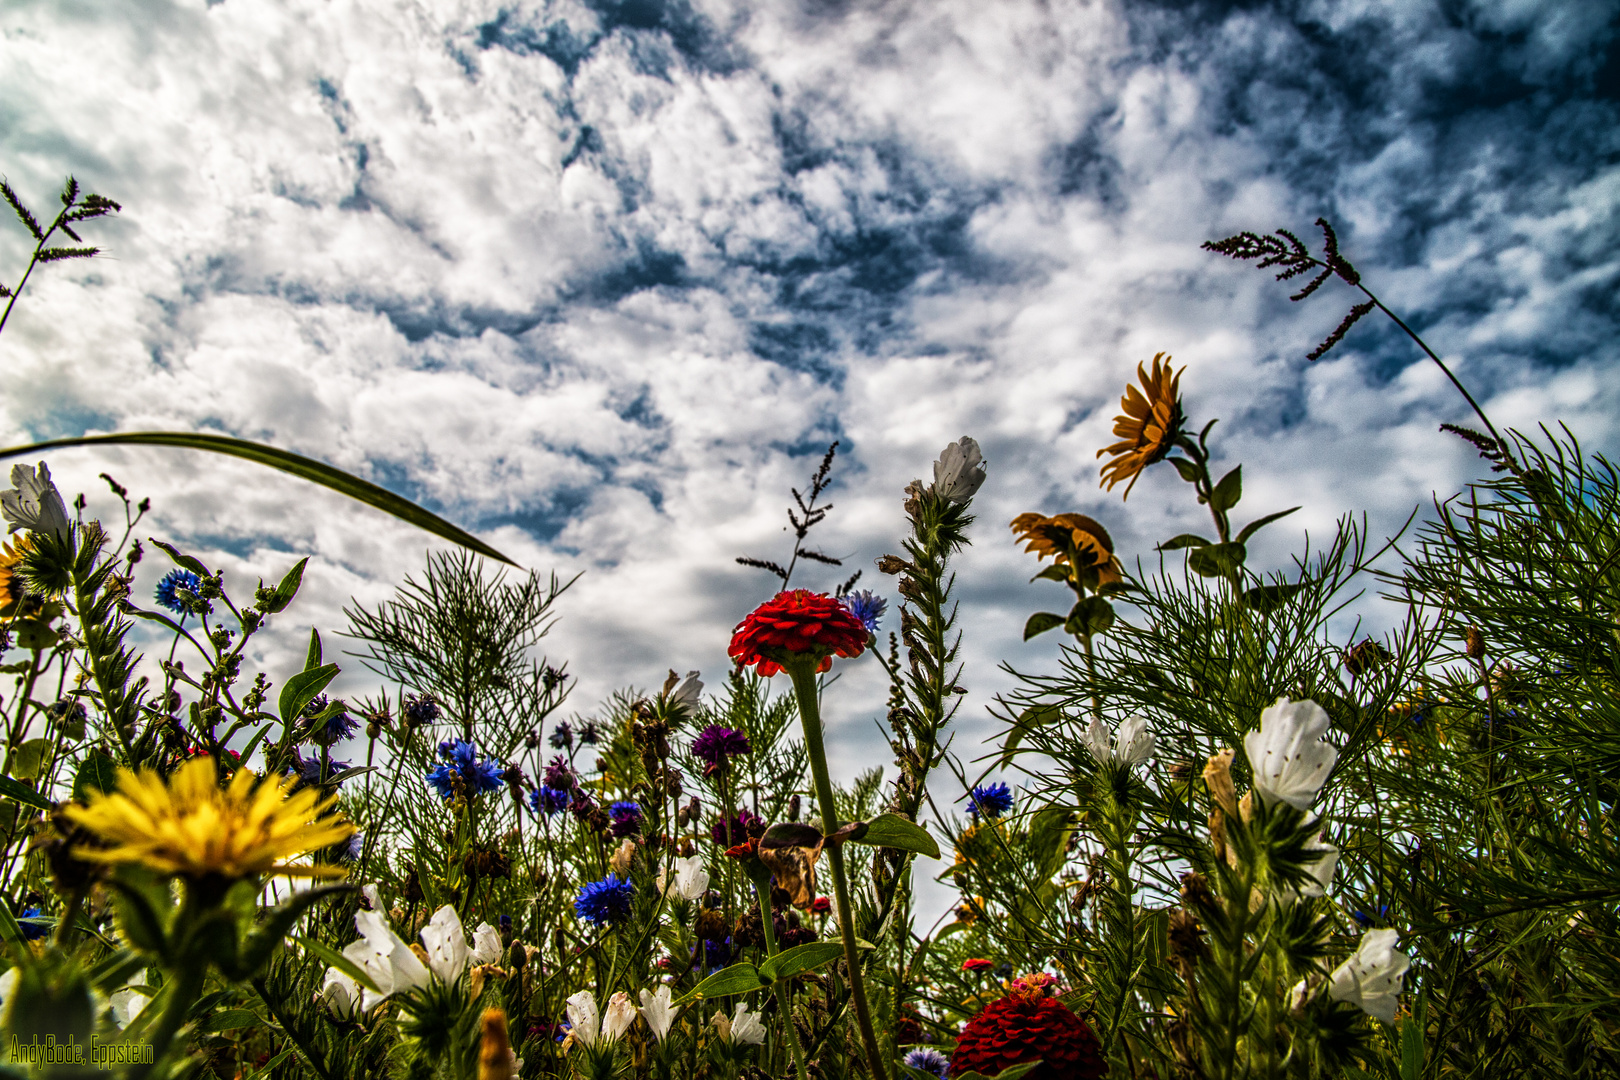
pixel 1149 425
pixel 1075 539
pixel 11 554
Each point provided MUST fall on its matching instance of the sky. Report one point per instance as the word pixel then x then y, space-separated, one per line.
pixel 600 281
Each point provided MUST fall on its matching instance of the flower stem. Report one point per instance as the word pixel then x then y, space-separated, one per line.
pixel 784 996
pixel 804 688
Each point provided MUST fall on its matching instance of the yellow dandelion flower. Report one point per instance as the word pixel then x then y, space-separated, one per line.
pixel 11 586
pixel 1149 425
pixel 1069 538
pixel 192 826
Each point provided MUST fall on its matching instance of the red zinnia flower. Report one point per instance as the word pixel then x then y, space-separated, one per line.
pixel 821 905
pixel 1026 1025
pixel 797 623
pixel 977 965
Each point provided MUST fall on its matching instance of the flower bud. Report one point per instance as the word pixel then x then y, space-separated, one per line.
pixel 1218 779
pixel 1476 643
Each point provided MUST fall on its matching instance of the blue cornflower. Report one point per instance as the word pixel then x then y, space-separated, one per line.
pixel 461 759
pixel 605 902
pixel 992 800
pixel 310 771
pixel 626 817
pixel 929 1060
pixel 868 607
pixel 548 800
pixel 177 579
pixel 562 736
pixel 1368 918
pixel 421 710
pixel 352 847
pixel 335 728
pixel 33 931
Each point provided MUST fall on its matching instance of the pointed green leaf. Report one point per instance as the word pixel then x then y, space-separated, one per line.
pixel 800 958
pixel 1052 573
pixel 1189 471
pixel 1185 540
pixel 1228 491
pixel 23 793
pixel 1093 615
pixel 302 467
pixel 1268 598
pixel 28 759
pixel 287 589
pixel 274 925
pixel 894 831
pixel 1255 526
pixel 333 958
pixel 727 982
pixel 140 921
pixel 1040 623
pixel 192 564
pixel 301 690
pixel 312 658
pixel 1217 560
pixel 97 772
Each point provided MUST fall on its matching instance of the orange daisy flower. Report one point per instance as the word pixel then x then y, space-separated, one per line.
pixel 1149 425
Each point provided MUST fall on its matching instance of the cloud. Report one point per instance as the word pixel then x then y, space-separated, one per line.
pixel 603 280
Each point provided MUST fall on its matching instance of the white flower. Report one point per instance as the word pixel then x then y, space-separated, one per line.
pixel 745 1026
pixel 687 693
pixel 959 472
pixel 128 1002
pixel 690 882
pixel 446 944
pixel 34 503
pixel 1131 745
pixel 385 958
pixel 1371 978
pixel 341 994
pixel 8 986
pixel 658 1012
pixel 585 1023
pixel 1321 873
pixel 371 897
pixel 486 948
pixel 1288 755
pixel 620 1015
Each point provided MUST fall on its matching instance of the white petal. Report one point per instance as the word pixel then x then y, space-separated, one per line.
pixel 1134 743
pixel 586 1021
pixel 486 944
pixel 1097 740
pixel 446 944
pixel 620 1015
pixel 745 1026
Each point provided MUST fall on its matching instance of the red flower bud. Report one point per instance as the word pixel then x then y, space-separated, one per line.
pixel 976 964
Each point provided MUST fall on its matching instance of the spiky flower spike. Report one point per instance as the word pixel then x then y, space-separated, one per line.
pixel 1148 426
pixel 192 826
pixel 1024 1026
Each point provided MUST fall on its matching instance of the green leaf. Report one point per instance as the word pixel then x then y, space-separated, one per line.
pixel 1255 526
pixel 800 958
pixel 96 773
pixel 301 690
pixel 1040 623
pixel 1052 573
pixel 736 979
pixel 312 658
pixel 1217 560
pixel 1093 615
pixel 332 958
pixel 302 467
pixel 253 743
pixel 157 617
pixel 29 759
pixel 1013 1072
pixel 1185 540
pixel 194 565
pixel 34 634
pixel 894 831
pixel 1189 471
pixel 274 925
pixel 1268 598
pixel 10 929
pixel 1228 491
pixel 287 589
pixel 141 922
pixel 23 794
pixel 229 1019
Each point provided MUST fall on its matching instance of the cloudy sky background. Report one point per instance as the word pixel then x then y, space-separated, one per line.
pixel 601 280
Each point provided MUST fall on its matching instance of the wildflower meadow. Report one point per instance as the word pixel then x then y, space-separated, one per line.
pixel 1218 839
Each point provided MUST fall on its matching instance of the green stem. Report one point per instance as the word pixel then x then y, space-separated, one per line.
pixel 183 994
pixel 784 997
pixel 803 674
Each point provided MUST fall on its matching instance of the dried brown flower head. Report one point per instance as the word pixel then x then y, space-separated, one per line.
pixel 1149 425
